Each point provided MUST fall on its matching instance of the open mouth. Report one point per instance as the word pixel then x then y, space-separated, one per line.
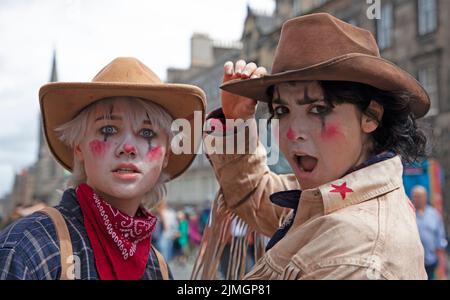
pixel 306 163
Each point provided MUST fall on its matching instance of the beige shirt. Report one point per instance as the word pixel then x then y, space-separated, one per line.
pixel 361 226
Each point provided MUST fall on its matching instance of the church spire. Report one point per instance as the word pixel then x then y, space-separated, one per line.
pixel 54 75
pixel 42 151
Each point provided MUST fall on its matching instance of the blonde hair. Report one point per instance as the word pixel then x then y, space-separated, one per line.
pixel 72 133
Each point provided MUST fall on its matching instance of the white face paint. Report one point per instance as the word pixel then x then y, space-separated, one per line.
pixel 320 142
pixel 122 163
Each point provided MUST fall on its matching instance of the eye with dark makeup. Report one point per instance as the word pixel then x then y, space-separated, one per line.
pixel 280 111
pixel 147 133
pixel 320 109
pixel 107 131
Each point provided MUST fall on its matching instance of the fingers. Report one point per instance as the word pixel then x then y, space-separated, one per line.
pixel 259 72
pixel 228 68
pixel 248 70
pixel 240 66
pixel 228 71
pixel 242 70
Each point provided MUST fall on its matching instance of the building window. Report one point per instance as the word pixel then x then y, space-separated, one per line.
pixel 429 80
pixel 427 16
pixel 385 26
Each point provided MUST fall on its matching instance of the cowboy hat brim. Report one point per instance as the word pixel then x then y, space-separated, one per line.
pixel 362 68
pixel 60 102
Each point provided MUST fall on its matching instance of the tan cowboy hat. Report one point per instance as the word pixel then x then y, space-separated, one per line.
pixel 125 76
pixel 322 47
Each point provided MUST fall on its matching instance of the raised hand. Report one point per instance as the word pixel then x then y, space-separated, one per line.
pixel 235 106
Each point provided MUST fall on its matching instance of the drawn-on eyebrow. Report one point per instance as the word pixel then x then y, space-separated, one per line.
pixel 148 122
pixel 277 97
pixel 306 98
pixel 110 117
pixel 119 118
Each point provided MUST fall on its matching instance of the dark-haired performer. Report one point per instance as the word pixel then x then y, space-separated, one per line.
pixel 346 120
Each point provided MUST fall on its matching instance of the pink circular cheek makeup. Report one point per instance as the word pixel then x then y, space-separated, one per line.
pixel 154 153
pixel 98 148
pixel 331 132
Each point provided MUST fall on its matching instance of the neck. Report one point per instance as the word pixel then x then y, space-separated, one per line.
pixel 366 151
pixel 362 158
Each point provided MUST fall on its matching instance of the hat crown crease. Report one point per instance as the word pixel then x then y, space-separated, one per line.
pixel 136 72
pixel 302 37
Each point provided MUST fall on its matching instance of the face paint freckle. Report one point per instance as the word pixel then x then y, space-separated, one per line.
pixel 98 147
pixel 154 153
pixel 290 134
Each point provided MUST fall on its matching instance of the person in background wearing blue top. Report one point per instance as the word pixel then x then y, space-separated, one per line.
pixel 431 230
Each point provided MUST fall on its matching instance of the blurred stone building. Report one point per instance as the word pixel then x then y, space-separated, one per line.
pixel 49 174
pixel 198 184
pixel 413 34
pixel 38 184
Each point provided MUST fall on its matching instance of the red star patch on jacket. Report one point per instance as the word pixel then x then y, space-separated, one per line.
pixel 342 189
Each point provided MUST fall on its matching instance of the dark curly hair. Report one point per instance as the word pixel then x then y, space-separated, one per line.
pixel 397 130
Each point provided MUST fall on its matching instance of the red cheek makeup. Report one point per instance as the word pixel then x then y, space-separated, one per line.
pixel 154 153
pixel 330 131
pixel 98 148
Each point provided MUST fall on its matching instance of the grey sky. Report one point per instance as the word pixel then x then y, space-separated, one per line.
pixel 87 35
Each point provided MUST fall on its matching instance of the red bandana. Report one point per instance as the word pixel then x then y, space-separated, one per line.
pixel 121 243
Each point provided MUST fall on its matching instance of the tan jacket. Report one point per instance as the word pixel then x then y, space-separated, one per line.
pixel 369 232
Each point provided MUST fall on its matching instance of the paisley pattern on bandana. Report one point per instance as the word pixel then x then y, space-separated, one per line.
pixel 121 243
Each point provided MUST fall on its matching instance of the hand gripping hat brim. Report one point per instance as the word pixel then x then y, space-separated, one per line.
pixel 322 47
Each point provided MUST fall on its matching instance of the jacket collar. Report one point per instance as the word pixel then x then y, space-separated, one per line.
pixel 288 199
pixel 362 185
pixel 380 176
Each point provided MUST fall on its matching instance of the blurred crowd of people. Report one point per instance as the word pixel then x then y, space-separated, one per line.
pixel 432 234
pixel 179 231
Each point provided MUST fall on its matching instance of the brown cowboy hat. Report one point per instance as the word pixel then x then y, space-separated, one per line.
pixel 322 47
pixel 125 76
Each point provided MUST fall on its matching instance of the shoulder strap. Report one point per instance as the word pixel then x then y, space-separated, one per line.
pixel 162 264
pixel 65 244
